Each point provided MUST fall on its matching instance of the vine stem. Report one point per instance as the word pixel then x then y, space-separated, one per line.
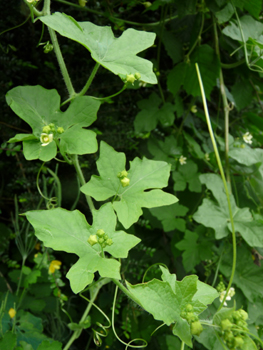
pixel 126 291
pixel 61 62
pixel 182 345
pixel 225 104
pixel 224 182
pixel 75 162
pixel 94 292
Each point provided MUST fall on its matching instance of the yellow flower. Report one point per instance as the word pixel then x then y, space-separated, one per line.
pixel 12 312
pixel 45 139
pixel 54 265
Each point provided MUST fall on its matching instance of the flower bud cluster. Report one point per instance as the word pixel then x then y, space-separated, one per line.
pixel 130 78
pixel 192 319
pixel 48 133
pixel 123 176
pixel 101 238
pixel 231 329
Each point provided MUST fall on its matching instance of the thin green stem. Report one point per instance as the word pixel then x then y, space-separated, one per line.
pixel 232 65
pixel 75 162
pixel 61 62
pixel 19 25
pixel 114 19
pixel 225 105
pixel 182 345
pixel 94 294
pixel 113 327
pixel 59 191
pixel 224 182
pixel 126 291
pixel 198 39
pixel 93 73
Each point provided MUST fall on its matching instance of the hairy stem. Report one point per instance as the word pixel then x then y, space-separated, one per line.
pixel 75 162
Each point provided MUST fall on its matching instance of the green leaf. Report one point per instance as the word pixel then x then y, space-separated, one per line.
pixel 175 78
pixel 40 107
pixel 115 54
pixel 146 120
pixel 77 140
pixel 22 137
pixel 242 93
pixel 194 147
pixel 143 175
pixel 168 215
pixel 251 231
pixel 182 330
pixel 250 27
pixel 209 339
pixel 34 104
pixel 8 341
pixel 30 329
pixel 187 173
pixel 35 150
pixel 173 46
pixel 254 7
pixel 46 345
pixel 25 346
pixel 214 215
pixel 69 231
pixel 248 276
pixel 191 254
pixel 166 299
pixel 247 156
pixel 225 14
pixel 209 68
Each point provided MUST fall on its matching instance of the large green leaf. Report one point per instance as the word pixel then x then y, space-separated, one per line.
pixel 169 216
pixel 187 173
pixel 216 215
pixel 250 27
pixel 146 120
pixel 247 156
pixel 166 299
pixel 143 175
pixel 69 231
pixel 166 150
pixel 115 54
pixel 248 276
pixel 39 107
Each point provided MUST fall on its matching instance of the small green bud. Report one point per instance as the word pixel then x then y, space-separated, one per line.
pixel 125 182
pixel 239 342
pixel 130 78
pixel 196 328
pixel 228 336
pixel 137 76
pixel 109 241
pixel 226 324
pixel 101 240
pixel 147 4
pixel 189 308
pixel 104 245
pixel 100 233
pixel 105 237
pixel 243 314
pixel 183 314
pixel 60 130
pixel 92 240
pixel 48 47
pixel 46 129
pixel 82 3
pixel 122 174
